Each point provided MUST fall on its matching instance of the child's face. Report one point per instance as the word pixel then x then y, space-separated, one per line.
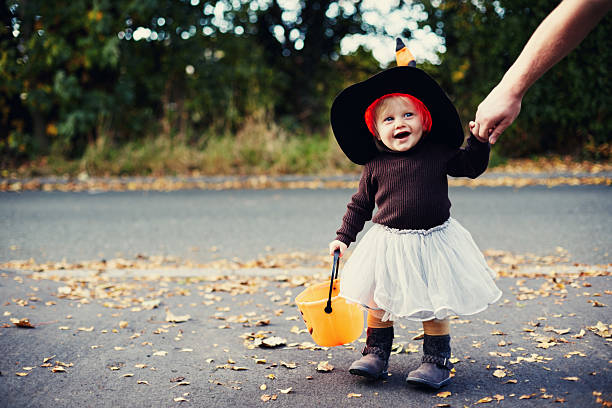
pixel 398 125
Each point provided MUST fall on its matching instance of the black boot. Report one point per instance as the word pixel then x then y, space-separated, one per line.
pixel 375 360
pixel 435 368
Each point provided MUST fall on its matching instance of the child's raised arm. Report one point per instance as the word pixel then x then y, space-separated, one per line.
pixel 470 161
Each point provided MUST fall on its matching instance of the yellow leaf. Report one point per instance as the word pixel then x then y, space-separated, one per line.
pixel 123 324
pixel 353 395
pixel 499 373
pixel 286 390
pixel 180 399
pixel 288 365
pixel 128 375
pixel 263 387
pixel 22 374
pixel 571 378
pixel 142 382
pixel 484 400
pixel 444 394
pixel 324 366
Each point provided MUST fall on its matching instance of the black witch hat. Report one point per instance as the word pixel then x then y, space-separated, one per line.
pixel 348 109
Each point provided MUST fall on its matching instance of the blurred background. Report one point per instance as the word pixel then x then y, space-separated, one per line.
pixel 158 87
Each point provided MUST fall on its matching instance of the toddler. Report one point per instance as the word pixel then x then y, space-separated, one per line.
pixel 416 262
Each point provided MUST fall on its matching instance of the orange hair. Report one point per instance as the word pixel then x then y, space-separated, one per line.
pixel 419 106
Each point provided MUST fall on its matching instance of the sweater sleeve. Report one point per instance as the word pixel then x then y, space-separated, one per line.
pixel 470 161
pixel 359 210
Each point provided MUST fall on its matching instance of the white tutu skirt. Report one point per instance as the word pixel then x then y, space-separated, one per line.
pixel 419 274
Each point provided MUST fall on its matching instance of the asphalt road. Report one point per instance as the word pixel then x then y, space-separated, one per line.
pixel 510 352
pixel 51 226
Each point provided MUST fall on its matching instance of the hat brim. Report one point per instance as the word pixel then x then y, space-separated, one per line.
pixel 348 110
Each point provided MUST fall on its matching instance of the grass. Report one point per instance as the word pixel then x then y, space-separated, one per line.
pixel 260 147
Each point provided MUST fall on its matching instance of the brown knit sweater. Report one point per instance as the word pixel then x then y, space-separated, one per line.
pixel 410 189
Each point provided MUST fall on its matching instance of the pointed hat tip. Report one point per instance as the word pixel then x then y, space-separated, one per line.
pixel 399 44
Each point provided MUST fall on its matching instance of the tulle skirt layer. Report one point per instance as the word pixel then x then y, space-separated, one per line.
pixel 419 274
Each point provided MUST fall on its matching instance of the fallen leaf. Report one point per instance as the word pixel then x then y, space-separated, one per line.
pixel 180 399
pixel 239 368
pixel 142 382
pixel 22 374
pixel 58 369
pixel 160 353
pixel 123 324
pixel 128 375
pixel 484 400
pixel 353 395
pixel 86 329
pixel 273 341
pixel 263 387
pixel 286 390
pixel 444 394
pixel 23 323
pixel 324 366
pixel 288 365
pixel 499 373
pixel 180 384
pixel 171 317
pixel 562 331
pixel 571 378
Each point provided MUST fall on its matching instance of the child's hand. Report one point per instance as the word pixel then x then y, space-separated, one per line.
pixel 337 245
pixel 472 125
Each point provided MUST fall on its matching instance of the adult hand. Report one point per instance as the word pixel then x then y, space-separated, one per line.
pixel 337 245
pixel 495 113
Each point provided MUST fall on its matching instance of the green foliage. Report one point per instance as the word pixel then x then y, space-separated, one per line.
pixel 89 81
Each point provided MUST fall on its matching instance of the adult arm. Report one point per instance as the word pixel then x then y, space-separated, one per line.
pixel 559 33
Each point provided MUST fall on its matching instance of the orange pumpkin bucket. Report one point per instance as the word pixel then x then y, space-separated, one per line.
pixel 330 319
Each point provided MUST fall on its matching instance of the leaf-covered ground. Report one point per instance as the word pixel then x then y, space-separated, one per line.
pixel 515 173
pixel 162 332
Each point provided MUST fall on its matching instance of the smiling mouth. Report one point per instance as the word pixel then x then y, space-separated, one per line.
pixel 401 135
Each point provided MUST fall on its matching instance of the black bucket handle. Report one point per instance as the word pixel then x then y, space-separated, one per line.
pixel 334 275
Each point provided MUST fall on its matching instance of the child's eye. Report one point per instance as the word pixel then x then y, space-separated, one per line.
pixel 388 119
pixel 408 114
